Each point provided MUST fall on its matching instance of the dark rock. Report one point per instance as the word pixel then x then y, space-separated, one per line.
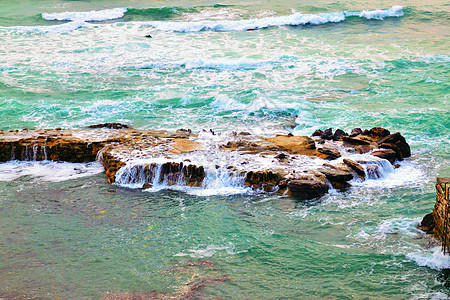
pixel 394 147
pixel 305 189
pixel 355 141
pixel 338 134
pixel 318 132
pixel 355 132
pixel 282 156
pixel 392 138
pixel 110 126
pixel 387 154
pixel 333 154
pixel 365 132
pixel 184 131
pixel 244 133
pixel 265 179
pixel 379 131
pixel 327 134
pixel 404 147
pixel 427 223
pixel 336 175
pixel 355 167
pixel 148 36
pixel 399 141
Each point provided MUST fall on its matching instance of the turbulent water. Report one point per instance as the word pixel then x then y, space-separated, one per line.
pixel 264 67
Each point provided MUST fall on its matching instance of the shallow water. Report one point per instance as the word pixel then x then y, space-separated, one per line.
pixel 65 230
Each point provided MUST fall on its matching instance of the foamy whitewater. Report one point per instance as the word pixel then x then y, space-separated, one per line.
pixel 296 19
pixel 48 170
pixel 260 67
pixel 102 15
pixel 79 19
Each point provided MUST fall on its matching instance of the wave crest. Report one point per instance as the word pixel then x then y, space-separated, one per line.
pixel 295 19
pixel 85 16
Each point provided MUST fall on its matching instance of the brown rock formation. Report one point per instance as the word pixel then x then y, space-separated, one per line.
pixel 355 167
pixel 283 163
pixel 438 222
pixel 307 188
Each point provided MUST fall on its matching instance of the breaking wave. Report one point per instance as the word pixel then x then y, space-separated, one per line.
pixel 94 15
pixel 159 15
pixel 295 19
pixel 433 258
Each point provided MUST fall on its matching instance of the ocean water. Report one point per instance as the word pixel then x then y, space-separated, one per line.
pixel 264 67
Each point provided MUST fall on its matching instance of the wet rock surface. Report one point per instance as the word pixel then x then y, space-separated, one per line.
pixel 300 166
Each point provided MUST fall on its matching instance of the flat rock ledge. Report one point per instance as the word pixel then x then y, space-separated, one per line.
pixel 300 166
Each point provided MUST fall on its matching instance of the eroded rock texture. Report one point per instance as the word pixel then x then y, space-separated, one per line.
pixel 303 167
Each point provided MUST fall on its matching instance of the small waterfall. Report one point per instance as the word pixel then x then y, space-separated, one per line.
pixel 44 150
pixel 193 179
pixel 31 153
pixel 374 167
pixel 131 176
pixel 219 181
pixel 13 154
pixel 154 175
pixel 35 150
pixel 378 169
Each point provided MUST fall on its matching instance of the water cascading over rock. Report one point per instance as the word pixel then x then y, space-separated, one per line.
pixel 300 166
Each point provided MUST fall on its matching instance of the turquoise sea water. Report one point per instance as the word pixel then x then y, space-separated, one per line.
pixel 310 65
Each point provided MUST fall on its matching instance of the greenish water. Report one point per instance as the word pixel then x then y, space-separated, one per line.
pixel 80 237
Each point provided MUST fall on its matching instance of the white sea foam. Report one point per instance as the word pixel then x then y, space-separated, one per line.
pixel 381 174
pixel 61 28
pixel 263 102
pixel 48 170
pixel 80 19
pixel 295 19
pixel 224 102
pixel 84 16
pixel 399 226
pixel 213 64
pixel 224 64
pixel 378 14
pixel 433 258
